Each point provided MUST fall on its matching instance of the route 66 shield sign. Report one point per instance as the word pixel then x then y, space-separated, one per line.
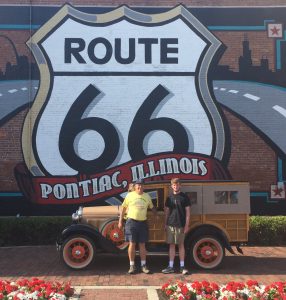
pixel 123 95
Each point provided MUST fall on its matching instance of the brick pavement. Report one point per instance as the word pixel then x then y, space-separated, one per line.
pixel 106 278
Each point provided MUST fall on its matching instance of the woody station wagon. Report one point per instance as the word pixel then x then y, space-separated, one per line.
pixel 219 220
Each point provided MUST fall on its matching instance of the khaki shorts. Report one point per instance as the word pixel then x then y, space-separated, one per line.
pixel 175 235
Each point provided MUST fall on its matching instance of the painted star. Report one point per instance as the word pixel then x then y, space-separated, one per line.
pixel 277 191
pixel 275 30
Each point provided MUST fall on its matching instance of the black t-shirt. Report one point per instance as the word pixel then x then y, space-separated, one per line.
pixel 177 204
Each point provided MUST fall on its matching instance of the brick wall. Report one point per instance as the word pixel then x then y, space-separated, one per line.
pixel 19 38
pixel 10 151
pixel 251 158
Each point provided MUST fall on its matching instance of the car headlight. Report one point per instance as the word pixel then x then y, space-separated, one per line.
pixel 77 215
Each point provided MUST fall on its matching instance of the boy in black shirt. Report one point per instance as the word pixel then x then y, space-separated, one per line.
pixel 177 220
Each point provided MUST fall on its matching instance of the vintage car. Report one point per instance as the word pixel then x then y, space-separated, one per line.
pixel 219 220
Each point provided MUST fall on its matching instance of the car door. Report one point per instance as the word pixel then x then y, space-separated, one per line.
pixel 156 223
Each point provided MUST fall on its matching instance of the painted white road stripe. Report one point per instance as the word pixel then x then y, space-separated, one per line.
pixel 35 87
pixel 222 89
pixel 13 91
pixel 24 89
pixel 0 95
pixel 280 109
pixel 252 97
pixel 215 88
pixel 233 91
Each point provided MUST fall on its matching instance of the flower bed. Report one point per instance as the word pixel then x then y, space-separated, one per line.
pixel 34 289
pixel 232 291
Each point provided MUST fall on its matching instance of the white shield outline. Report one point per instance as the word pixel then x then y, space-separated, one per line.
pixel 205 95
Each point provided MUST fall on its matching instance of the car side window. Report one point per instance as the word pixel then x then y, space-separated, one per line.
pixel 157 196
pixel 226 197
pixel 193 197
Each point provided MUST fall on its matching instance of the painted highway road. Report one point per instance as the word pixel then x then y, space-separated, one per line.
pixel 263 106
pixel 15 95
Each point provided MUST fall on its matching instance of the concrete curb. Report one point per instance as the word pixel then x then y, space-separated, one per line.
pixel 151 290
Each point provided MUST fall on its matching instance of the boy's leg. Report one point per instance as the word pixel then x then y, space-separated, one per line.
pixel 183 270
pixel 172 252
pixel 182 251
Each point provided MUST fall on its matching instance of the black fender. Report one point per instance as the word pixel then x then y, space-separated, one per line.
pixel 89 231
pixel 208 230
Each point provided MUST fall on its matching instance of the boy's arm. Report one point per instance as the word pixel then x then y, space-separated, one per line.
pixel 188 217
pixel 167 213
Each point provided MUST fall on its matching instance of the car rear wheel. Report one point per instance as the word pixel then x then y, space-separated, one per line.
pixel 207 252
pixel 78 252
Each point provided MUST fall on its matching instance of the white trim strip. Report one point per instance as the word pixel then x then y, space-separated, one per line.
pixel 152 294
pixel 280 109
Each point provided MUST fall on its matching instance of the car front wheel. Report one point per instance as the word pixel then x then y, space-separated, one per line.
pixel 111 232
pixel 78 252
pixel 207 252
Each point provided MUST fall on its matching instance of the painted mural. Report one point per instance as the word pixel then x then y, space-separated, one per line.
pixel 93 98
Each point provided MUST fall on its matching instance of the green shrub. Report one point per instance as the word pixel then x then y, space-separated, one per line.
pixel 264 231
pixel 267 231
pixel 31 230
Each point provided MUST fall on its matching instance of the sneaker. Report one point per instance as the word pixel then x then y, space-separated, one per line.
pixel 132 270
pixel 184 271
pixel 145 269
pixel 168 270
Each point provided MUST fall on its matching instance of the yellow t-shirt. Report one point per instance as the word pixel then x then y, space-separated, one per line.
pixel 137 205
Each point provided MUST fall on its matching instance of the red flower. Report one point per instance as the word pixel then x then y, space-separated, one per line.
pixel 184 290
pixel 205 284
pixel 44 289
pixel 214 286
pixel 251 283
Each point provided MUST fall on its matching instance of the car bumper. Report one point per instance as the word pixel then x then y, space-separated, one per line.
pixel 58 246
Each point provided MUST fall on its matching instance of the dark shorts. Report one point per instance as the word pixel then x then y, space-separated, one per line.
pixel 136 231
